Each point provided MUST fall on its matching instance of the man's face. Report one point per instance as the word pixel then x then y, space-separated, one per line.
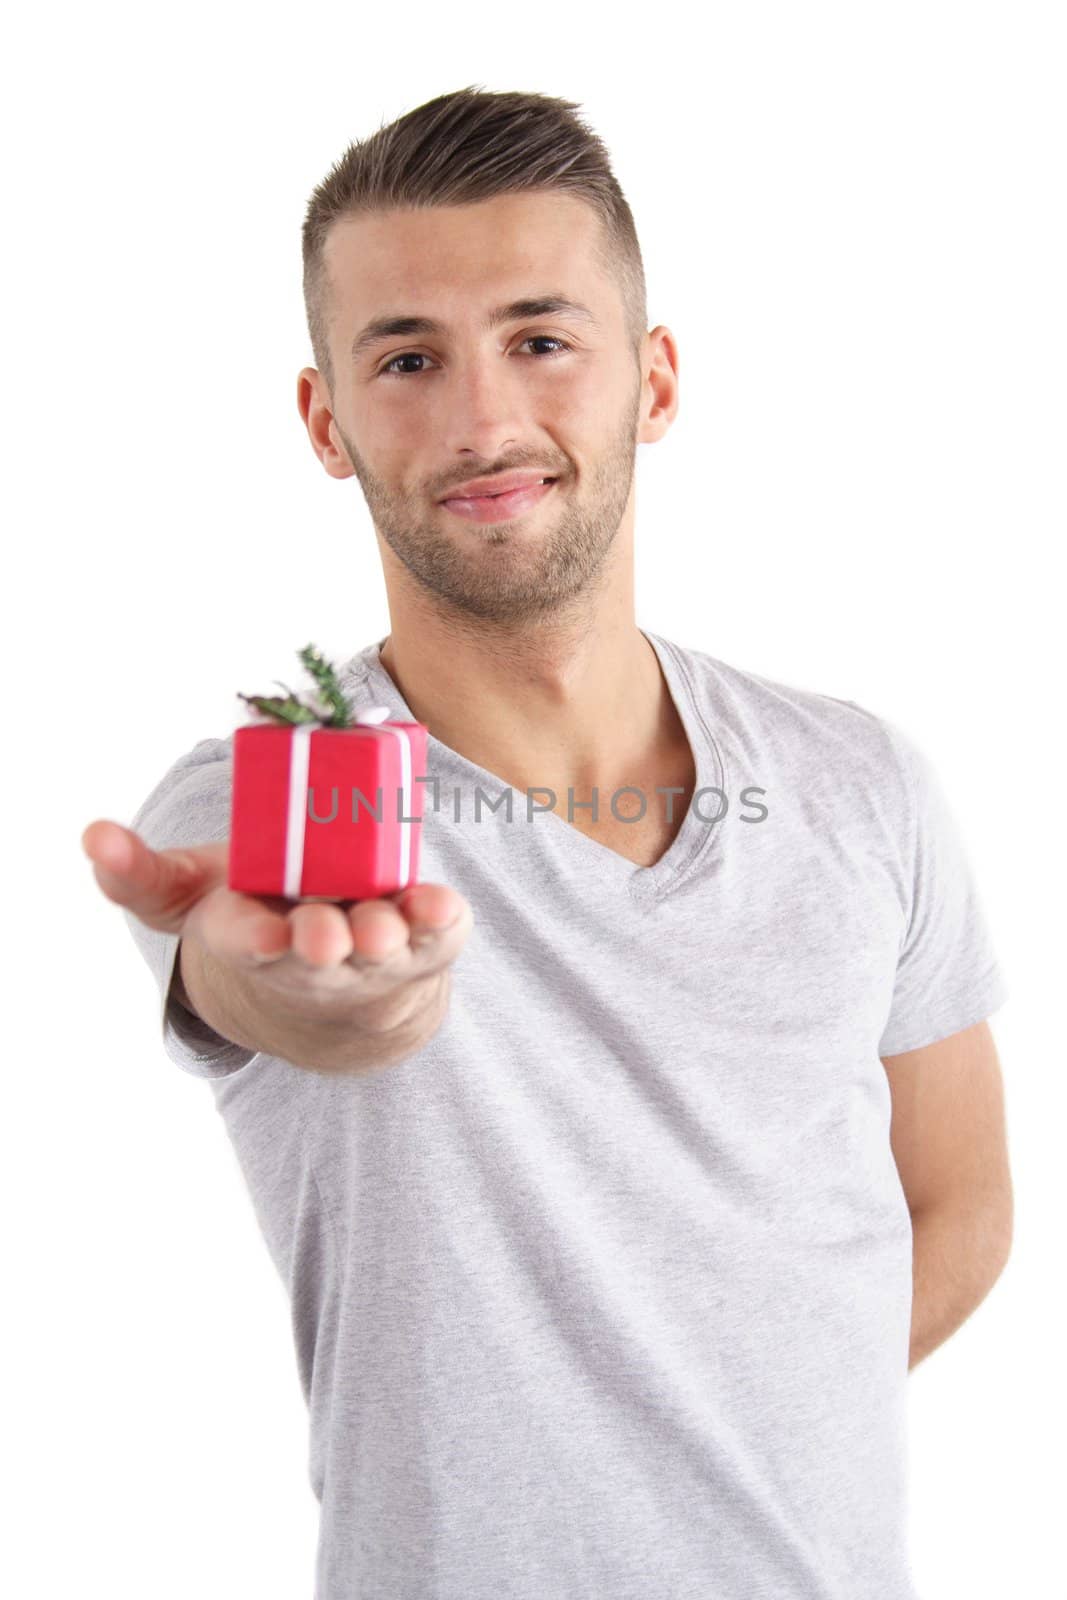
pixel 419 413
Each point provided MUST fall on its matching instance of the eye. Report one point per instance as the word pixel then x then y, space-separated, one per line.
pixel 416 355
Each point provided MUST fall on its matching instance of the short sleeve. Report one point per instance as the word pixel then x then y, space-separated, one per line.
pixel 948 975
pixel 190 805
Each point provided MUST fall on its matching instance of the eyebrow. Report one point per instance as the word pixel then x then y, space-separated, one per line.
pixel 547 305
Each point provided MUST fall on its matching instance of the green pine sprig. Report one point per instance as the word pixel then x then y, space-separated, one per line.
pixel 290 709
pixel 329 688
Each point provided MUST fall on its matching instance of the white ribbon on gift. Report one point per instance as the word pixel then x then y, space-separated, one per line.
pixel 296 821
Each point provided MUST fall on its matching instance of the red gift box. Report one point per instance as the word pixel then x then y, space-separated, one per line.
pixel 328 812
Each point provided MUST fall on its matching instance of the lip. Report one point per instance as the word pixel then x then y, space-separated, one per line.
pixel 498 507
pixel 498 483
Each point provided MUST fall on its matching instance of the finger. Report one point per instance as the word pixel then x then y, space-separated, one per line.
pixel 158 886
pixel 377 930
pixel 238 929
pixel 436 922
pixel 321 934
pixel 414 966
pixel 429 909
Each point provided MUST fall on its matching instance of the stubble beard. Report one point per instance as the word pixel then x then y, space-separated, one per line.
pixel 501 572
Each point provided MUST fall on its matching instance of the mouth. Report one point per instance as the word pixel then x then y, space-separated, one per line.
pixel 499 507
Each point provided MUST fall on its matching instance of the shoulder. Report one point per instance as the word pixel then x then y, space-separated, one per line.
pixel 198 781
pixel 834 756
pixel 776 710
pixel 210 761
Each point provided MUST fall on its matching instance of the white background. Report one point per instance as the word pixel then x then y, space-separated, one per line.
pixel 853 223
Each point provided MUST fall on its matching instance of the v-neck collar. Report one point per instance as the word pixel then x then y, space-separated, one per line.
pixel 696 841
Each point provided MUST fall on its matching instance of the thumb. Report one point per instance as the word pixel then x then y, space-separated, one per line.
pixel 159 886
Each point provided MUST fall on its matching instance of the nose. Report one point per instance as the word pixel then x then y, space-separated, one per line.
pixel 483 411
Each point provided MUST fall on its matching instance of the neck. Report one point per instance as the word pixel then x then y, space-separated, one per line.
pixel 577 700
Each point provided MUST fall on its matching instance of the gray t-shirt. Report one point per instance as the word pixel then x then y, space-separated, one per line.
pixel 605 1294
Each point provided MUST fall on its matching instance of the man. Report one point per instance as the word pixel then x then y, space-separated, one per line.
pixel 620 1171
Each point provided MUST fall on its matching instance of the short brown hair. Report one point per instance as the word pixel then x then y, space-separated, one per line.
pixel 467 146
